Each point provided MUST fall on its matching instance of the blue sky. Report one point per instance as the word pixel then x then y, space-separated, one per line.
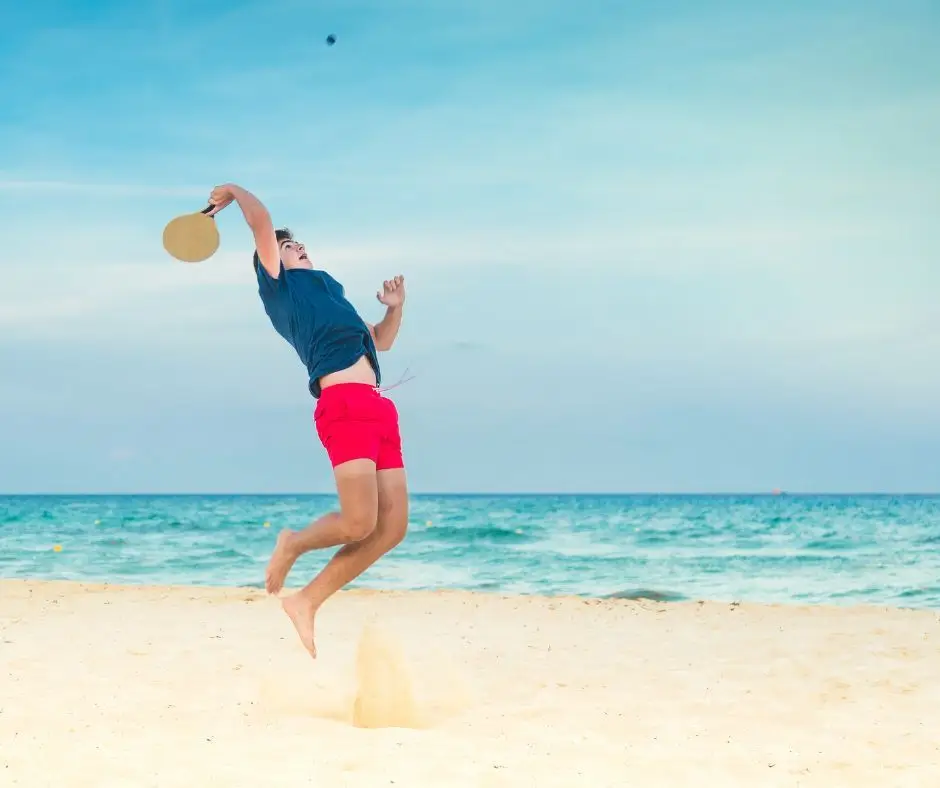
pixel 649 247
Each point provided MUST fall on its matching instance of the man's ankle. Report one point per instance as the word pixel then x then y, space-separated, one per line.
pixel 311 597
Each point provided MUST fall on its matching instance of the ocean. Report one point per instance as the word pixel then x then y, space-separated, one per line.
pixel 881 550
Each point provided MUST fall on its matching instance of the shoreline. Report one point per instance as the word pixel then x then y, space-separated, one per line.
pixel 223 591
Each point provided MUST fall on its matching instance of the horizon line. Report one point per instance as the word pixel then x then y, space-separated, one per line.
pixel 484 494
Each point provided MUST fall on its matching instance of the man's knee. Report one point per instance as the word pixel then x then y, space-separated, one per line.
pixel 358 526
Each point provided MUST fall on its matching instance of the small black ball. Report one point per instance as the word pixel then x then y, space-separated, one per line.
pixel 331 39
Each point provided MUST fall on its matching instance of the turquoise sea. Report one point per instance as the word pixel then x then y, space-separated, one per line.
pixel 833 549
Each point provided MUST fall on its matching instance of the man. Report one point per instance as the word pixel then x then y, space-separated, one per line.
pixel 357 426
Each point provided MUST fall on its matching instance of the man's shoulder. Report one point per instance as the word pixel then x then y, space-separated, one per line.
pixel 262 272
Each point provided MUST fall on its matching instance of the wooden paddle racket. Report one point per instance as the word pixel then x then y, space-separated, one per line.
pixel 192 237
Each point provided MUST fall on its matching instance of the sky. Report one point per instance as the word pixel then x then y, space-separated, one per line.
pixel 648 247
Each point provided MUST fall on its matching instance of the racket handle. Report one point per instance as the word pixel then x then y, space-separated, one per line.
pixel 207 208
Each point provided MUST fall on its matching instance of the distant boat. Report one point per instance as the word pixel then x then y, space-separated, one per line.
pixel 776 492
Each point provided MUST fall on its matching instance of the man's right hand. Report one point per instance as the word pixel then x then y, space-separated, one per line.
pixel 221 197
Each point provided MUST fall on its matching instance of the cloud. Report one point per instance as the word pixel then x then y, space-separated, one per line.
pixel 64 295
pixel 131 273
pixel 8 184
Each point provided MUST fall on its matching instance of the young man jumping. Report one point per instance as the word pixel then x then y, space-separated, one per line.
pixel 357 426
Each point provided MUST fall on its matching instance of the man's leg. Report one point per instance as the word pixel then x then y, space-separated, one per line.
pixel 353 559
pixel 358 501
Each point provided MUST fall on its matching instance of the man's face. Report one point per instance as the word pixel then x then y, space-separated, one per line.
pixel 294 255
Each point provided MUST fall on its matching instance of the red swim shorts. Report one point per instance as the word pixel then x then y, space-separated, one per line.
pixel 354 421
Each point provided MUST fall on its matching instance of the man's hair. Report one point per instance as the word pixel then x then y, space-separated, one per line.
pixel 281 235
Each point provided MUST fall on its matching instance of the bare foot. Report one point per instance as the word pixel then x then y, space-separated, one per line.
pixel 282 559
pixel 301 612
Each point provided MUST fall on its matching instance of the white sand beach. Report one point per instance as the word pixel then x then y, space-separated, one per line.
pixel 114 686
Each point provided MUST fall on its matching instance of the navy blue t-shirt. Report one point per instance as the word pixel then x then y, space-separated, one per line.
pixel 309 309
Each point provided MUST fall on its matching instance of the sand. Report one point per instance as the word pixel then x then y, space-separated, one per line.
pixel 111 686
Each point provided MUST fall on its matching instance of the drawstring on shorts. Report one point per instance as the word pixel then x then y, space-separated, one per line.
pixel 401 380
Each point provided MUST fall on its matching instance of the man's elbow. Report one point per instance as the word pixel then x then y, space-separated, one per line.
pixel 382 345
